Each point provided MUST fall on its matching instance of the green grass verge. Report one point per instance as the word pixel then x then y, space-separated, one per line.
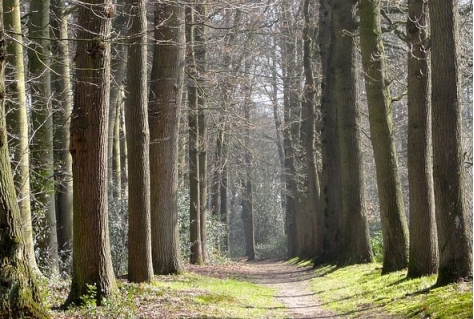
pixel 224 298
pixel 362 289
pixel 185 296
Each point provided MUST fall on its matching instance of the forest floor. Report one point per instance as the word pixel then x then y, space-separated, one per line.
pixel 273 289
pixel 291 283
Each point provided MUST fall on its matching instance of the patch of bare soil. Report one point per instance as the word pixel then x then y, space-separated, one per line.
pixel 291 283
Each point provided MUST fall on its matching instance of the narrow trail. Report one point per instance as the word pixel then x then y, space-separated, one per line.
pixel 293 288
pixel 291 283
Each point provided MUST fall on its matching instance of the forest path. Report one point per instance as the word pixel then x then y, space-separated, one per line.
pixel 291 283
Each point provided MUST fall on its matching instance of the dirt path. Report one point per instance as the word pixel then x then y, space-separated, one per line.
pixel 291 283
pixel 293 288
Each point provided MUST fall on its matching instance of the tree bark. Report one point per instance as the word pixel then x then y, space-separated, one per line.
pixel 62 105
pixel 19 294
pixel 140 268
pixel 356 247
pixel 196 254
pixel 392 212
pixel 308 134
pixel 454 228
pixel 18 124
pixel 42 155
pixel 330 198
pixel 166 89
pixel 423 250
pixel 92 264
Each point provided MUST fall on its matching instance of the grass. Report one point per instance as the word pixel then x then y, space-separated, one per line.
pixel 185 296
pixel 362 289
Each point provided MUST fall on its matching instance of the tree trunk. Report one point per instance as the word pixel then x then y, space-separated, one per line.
pixel 196 254
pixel 423 251
pixel 330 199
pixel 19 294
pixel 308 127
pixel 246 178
pixel 18 124
pixel 454 228
pixel 116 152
pixel 140 268
pixel 291 119
pixel 166 89
pixel 118 67
pixel 200 49
pixel 392 212
pixel 62 105
pixel 92 264
pixel 42 156
pixel 356 247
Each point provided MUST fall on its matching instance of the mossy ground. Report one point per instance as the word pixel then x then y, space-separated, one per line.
pixel 362 289
pixel 185 296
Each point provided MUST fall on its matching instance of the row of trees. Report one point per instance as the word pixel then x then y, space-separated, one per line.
pixel 275 112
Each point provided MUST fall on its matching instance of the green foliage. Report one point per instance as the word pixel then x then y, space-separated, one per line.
pixel 377 245
pixel 364 290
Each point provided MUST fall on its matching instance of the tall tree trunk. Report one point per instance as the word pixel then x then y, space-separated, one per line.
pixel 92 264
pixel 200 48
pixel 308 128
pixel 62 105
pixel 291 127
pixel 19 295
pixel 356 247
pixel 423 251
pixel 42 155
pixel 454 228
pixel 18 124
pixel 196 254
pixel 166 89
pixel 246 179
pixel 140 266
pixel 392 212
pixel 330 199
pixel 118 67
